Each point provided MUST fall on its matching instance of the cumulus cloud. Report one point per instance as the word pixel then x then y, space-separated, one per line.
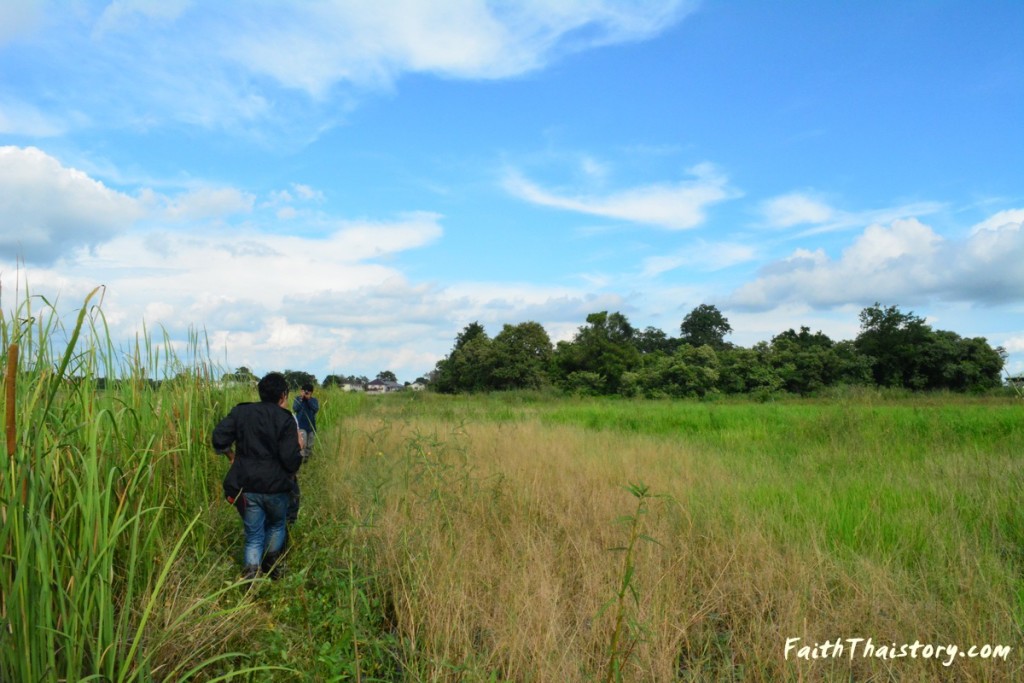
pixel 1014 344
pixel 47 209
pixel 674 206
pixel 1009 220
pixel 270 301
pixel 906 260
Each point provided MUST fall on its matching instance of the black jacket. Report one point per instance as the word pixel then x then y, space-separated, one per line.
pixel 266 443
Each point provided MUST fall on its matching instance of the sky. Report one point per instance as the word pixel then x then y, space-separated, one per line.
pixel 340 187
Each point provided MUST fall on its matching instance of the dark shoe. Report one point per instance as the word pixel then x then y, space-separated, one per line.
pixel 272 566
pixel 250 572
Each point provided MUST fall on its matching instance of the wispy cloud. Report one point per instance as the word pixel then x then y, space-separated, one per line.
pixel 702 256
pixel 817 216
pixel 210 202
pixel 674 206
pixel 225 66
pixel 795 209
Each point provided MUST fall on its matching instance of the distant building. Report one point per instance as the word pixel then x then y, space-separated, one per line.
pixel 417 386
pixel 380 386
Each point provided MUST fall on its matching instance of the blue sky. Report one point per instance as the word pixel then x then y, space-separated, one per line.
pixel 341 187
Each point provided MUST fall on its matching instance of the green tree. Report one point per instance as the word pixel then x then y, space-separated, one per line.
pixel 521 357
pixel 652 340
pixel 904 351
pixel 958 364
pixel 241 375
pixel 604 348
pixel 468 367
pixel 387 376
pixel 705 326
pixel 341 380
pixel 296 378
pixel 804 362
pixel 747 371
pixel 894 341
pixel 852 367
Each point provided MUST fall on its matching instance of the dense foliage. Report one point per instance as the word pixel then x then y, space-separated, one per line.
pixel 608 356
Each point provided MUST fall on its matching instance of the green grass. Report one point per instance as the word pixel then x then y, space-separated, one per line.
pixel 118 555
pixel 102 495
pixel 922 489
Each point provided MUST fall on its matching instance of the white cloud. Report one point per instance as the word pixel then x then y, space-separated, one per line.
pixel 846 220
pixel 47 209
pixel 266 300
pixel 315 47
pixel 307 193
pixel 1009 220
pixel 906 261
pixel 675 206
pixel 268 297
pixel 209 202
pixel 701 256
pixel 225 65
pixel 807 209
pixel 795 209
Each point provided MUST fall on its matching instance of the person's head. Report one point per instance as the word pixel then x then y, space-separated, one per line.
pixel 307 389
pixel 272 387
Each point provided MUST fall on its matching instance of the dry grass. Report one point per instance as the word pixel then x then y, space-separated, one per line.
pixel 497 543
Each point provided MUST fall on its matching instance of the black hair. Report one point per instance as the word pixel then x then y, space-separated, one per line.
pixel 308 386
pixel 272 387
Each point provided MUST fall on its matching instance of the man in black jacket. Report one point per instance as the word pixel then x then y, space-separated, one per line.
pixel 261 441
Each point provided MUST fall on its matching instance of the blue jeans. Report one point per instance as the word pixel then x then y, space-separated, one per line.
pixel 265 520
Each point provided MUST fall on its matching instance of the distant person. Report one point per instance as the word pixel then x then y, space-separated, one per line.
pixel 261 442
pixel 305 407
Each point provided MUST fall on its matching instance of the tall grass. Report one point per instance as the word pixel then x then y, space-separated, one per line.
pixel 104 492
pixel 476 538
pixel 494 530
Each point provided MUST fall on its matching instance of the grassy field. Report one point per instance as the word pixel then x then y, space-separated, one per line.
pixel 517 537
pixel 521 538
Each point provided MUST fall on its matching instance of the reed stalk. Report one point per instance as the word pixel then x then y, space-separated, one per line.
pixel 103 495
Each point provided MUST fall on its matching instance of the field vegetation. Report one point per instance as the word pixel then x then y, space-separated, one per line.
pixel 522 536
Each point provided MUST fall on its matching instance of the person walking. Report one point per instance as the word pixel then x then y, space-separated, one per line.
pixel 305 407
pixel 261 442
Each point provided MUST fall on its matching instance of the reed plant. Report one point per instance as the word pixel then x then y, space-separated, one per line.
pixel 104 500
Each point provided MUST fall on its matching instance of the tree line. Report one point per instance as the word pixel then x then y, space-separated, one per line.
pixel 297 378
pixel 608 356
